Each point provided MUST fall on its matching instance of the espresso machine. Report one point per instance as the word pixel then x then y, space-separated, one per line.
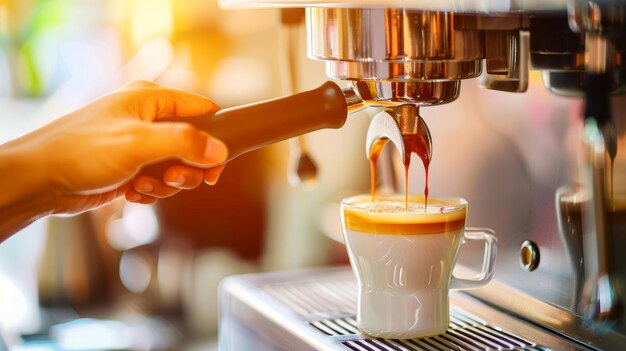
pixel 551 179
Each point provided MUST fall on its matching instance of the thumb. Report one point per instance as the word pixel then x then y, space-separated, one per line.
pixel 167 140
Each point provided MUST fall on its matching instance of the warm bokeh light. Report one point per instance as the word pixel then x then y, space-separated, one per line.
pixel 138 226
pixel 236 71
pixel 135 272
pixel 89 334
pixel 151 19
pixel 13 308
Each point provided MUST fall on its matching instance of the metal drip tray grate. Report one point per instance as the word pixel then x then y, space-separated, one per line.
pixel 315 310
pixel 337 298
pixel 466 333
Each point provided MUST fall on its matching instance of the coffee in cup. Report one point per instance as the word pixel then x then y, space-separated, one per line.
pixel 403 258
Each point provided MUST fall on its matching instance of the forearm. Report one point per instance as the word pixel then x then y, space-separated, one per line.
pixel 23 194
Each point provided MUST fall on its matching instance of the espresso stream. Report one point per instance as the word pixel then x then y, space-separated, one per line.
pixel 413 144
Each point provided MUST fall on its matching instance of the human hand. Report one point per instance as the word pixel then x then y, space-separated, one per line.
pixel 95 154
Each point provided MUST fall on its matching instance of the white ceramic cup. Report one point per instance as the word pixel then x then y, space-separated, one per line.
pixel 403 261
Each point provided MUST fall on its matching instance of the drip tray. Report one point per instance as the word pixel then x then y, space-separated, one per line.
pixel 315 310
pixel 466 333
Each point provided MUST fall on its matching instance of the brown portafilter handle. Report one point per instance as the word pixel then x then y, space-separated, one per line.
pixel 249 127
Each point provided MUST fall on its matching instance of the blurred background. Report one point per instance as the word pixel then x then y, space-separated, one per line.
pixel 146 277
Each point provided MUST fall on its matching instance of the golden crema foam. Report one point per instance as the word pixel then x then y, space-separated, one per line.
pixel 389 215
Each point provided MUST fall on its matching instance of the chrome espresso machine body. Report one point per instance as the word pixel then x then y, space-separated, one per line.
pixel 554 188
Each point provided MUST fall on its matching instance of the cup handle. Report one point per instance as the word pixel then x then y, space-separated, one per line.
pixel 489 259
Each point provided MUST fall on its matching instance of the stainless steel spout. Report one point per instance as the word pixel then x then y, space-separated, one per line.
pixel 382 129
pixel 392 125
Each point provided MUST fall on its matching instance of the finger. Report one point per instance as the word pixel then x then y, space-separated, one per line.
pixel 166 140
pixel 133 196
pixel 161 102
pixel 211 175
pixel 111 195
pixel 97 200
pixel 183 177
pixel 145 185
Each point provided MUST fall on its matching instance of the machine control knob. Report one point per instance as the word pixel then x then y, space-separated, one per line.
pixel 529 256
